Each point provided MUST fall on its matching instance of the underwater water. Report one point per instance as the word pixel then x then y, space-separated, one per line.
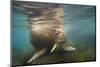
pixel 79 25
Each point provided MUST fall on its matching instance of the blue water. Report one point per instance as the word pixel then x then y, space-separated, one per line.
pixel 79 25
pixel 20 35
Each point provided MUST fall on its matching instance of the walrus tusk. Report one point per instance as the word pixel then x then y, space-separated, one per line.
pixel 55 45
pixel 37 55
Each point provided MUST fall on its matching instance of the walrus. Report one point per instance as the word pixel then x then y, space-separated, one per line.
pixel 47 33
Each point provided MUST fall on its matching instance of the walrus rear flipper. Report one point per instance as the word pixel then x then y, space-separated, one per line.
pixel 68 48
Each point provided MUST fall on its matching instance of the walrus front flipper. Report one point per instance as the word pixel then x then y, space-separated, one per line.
pixel 69 48
pixel 37 55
